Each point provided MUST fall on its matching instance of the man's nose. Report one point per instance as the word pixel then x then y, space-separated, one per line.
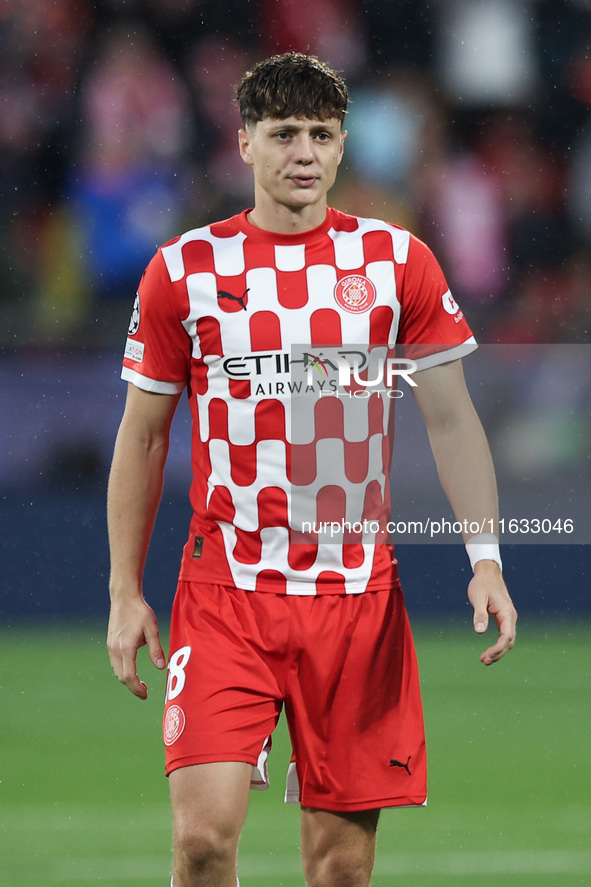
pixel 304 149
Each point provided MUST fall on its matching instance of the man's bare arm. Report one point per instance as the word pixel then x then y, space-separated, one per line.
pixel 135 489
pixel 467 476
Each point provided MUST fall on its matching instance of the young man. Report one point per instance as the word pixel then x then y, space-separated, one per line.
pixel 267 614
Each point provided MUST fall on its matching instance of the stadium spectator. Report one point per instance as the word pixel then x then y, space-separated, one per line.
pixel 48 67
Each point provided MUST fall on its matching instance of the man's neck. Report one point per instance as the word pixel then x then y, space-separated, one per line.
pixel 287 220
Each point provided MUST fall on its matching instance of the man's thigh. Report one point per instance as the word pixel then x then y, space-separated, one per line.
pixel 338 848
pixel 210 801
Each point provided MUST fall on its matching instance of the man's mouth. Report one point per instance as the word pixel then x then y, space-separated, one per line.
pixel 303 181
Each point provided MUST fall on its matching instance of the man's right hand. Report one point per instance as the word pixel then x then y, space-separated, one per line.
pixel 133 624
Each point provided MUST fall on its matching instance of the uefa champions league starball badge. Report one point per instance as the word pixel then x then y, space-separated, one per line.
pixel 134 323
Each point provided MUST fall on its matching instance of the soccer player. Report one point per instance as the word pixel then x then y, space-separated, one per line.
pixel 255 317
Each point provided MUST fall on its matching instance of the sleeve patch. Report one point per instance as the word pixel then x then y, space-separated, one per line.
pixel 134 350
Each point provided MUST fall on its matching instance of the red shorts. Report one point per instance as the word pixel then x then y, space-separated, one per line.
pixel 343 666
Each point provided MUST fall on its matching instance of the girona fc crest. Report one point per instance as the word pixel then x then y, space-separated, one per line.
pixel 174 724
pixel 355 293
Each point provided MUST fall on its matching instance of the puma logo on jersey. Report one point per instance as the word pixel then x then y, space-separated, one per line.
pixel 394 763
pixel 222 294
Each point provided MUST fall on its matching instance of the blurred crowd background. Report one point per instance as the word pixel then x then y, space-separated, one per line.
pixel 469 124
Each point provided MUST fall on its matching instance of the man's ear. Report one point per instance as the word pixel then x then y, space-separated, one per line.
pixel 344 135
pixel 244 145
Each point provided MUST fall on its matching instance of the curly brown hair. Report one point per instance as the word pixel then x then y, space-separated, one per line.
pixel 292 85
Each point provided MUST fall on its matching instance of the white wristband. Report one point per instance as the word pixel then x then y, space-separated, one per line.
pixel 484 547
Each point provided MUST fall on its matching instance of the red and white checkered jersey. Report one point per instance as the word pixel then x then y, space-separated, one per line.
pixel 247 320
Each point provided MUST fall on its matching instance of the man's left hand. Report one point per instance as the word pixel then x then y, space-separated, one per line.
pixel 488 595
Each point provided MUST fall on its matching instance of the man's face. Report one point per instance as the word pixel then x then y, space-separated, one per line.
pixel 294 160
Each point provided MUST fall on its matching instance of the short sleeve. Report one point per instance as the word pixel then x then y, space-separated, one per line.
pixel 432 327
pixel 158 349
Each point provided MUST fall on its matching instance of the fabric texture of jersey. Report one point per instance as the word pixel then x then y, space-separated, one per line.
pixel 343 666
pixel 242 318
